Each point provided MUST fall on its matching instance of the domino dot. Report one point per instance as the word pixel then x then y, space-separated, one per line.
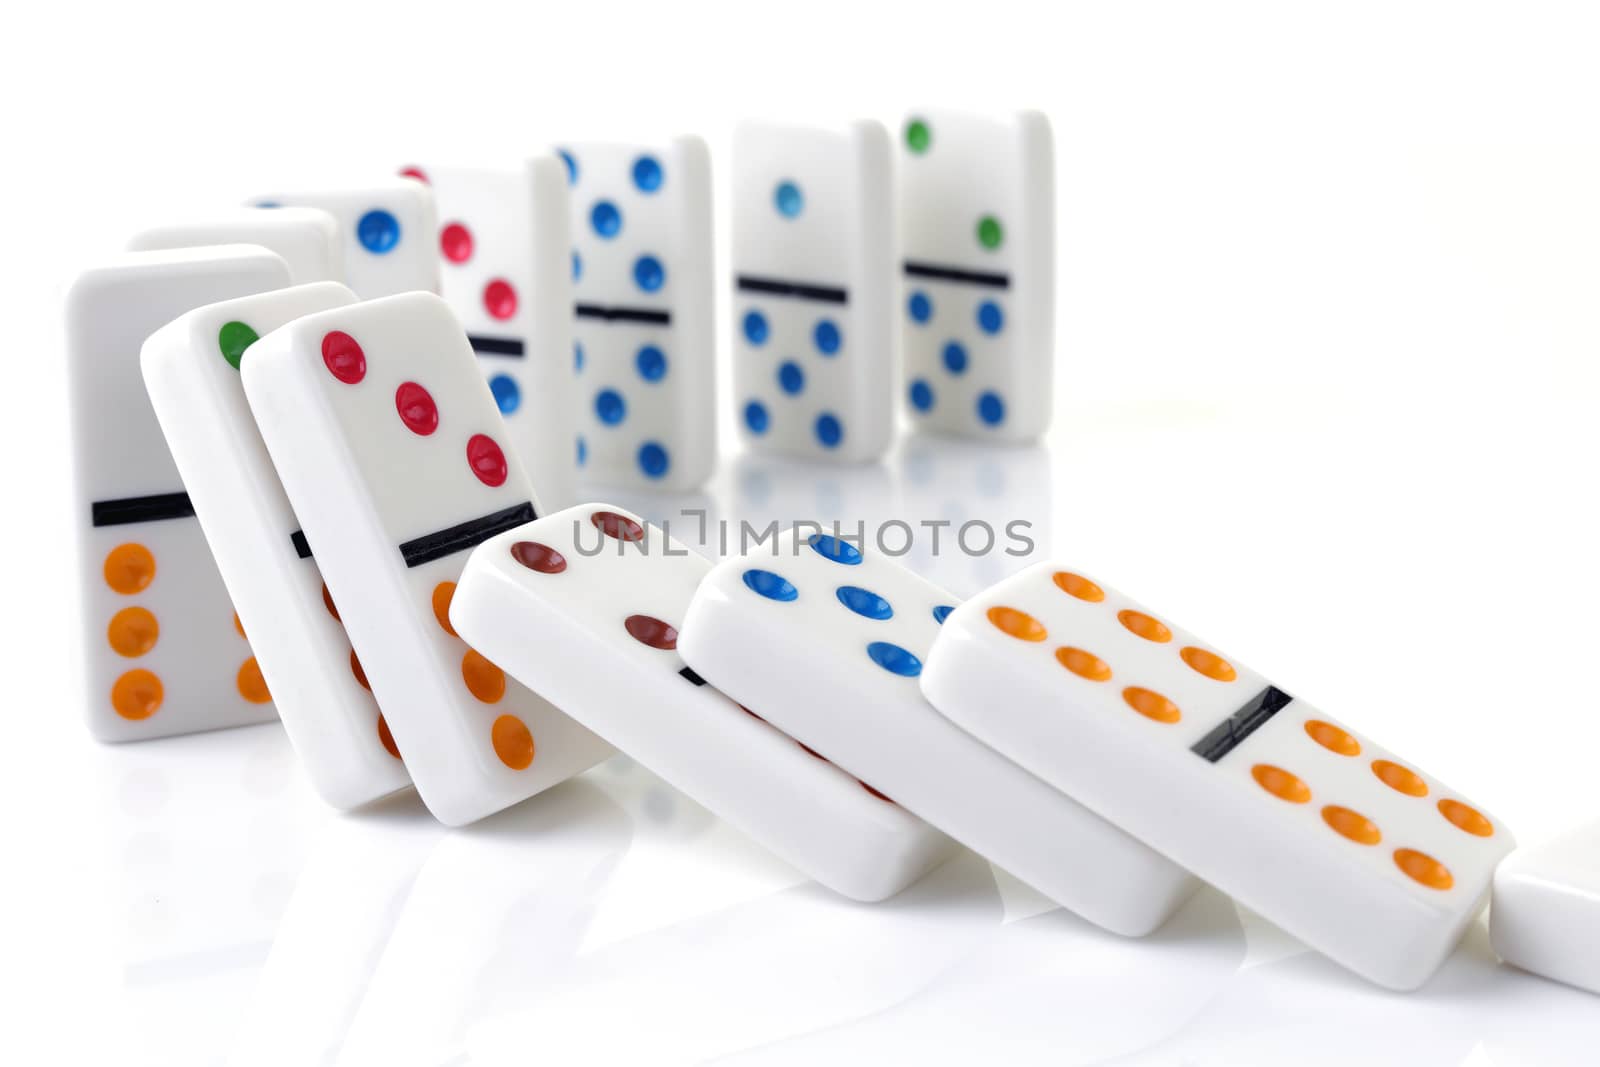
pixel 954 357
pixel 1209 664
pixel 538 557
pixel 609 407
pixel 616 526
pixel 1352 825
pixel 894 659
pixel 1400 779
pixel 1423 869
pixel 835 550
pixel 991 409
pixel 826 337
pixel 920 307
pixel 770 585
pixel 386 739
pixel 1085 665
pixel 512 741
pixel 756 418
pixel 648 630
pixel 133 632
pixel 233 339
pixel 653 459
pixel 755 328
pixel 583 451
pixel 507 397
pixel 881 796
pixel 360 674
pixel 989 232
pixel 829 430
pixel 864 602
pixel 577 265
pixel 251 685
pixel 343 357
pixel 238 627
pixel 1280 783
pixel 417 409
pixel 990 317
pixel 1018 624
pixel 1141 625
pixel 649 274
pixel 791 379
pixel 484 680
pixel 487 461
pixel 327 602
pixel 1151 705
pixel 921 395
pixel 942 612
pixel 1333 738
pixel 378 231
pixel 1078 586
pixel 500 299
pixel 647 174
pixel 788 199
pixel 651 363
pixel 455 243
pixel 415 173
pixel 572 165
pixel 443 593
pixel 129 569
pixel 136 695
pixel 1467 818
pixel 606 219
pixel 577 357
pixel 918 136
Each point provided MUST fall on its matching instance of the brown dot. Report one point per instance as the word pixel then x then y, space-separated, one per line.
pixel 618 526
pixel 1151 705
pixel 1352 824
pixel 136 695
pixel 1083 664
pixel 386 739
pixel 1423 868
pixel 1079 586
pixel 1280 783
pixel 1209 664
pixel 484 680
pixel 1401 779
pixel 238 627
pixel 251 685
pixel 1333 738
pixel 1146 626
pixel 133 632
pixel 129 569
pixel 874 792
pixel 443 593
pixel 512 742
pixel 327 602
pixel 361 675
pixel 652 631
pixel 1018 624
pixel 1465 817
pixel 538 557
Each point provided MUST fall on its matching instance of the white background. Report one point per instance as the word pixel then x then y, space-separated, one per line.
pixel 1328 336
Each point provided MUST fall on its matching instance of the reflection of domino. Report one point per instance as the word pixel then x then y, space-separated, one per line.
pixel 1320 831
pixel 1546 912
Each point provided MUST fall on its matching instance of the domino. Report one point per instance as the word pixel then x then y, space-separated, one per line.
pixel 584 606
pixel 813 261
pixel 503 246
pixel 306 238
pixel 1544 914
pixel 977 228
pixel 191 371
pixel 645 347
pixel 1336 840
pixel 827 640
pixel 162 650
pixel 388 444
pixel 387 231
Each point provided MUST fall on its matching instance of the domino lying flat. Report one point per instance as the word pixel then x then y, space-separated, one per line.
pixel 387 441
pixel 191 370
pixel 813 238
pixel 307 239
pixel 1319 830
pixel 162 650
pixel 503 241
pixel 646 349
pixel 1545 915
pixel 827 642
pixel 977 225
pixel 387 229
pixel 584 606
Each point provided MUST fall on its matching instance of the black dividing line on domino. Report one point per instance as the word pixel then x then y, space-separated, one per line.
pixel 623 313
pixel 496 346
pixel 464 535
pixel 1231 732
pixel 986 279
pixel 688 672
pixel 140 509
pixel 824 294
pixel 302 547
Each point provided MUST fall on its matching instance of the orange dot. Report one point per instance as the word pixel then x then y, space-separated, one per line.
pixel 1333 738
pixel 1079 586
pixel 1421 867
pixel 485 681
pixel 1151 705
pixel 133 632
pixel 1352 824
pixel 361 675
pixel 1280 783
pixel 512 742
pixel 386 738
pixel 1018 624
pixel 1084 664
pixel 443 593
pixel 1466 818
pixel 136 695
pixel 327 602
pixel 237 625
pixel 129 568
pixel 1209 664
pixel 1141 625
pixel 252 686
pixel 1403 779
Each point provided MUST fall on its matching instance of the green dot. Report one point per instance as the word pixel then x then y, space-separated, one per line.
pixel 918 136
pixel 989 233
pixel 233 339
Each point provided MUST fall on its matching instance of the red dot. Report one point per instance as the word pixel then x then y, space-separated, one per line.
pixel 486 460
pixel 455 242
pixel 499 299
pixel 417 409
pixel 874 792
pixel 537 557
pixel 652 631
pixel 813 753
pixel 414 172
pixel 619 526
pixel 343 357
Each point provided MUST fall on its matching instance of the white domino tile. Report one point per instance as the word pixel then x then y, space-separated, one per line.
pixel 1545 910
pixel 308 239
pixel 388 230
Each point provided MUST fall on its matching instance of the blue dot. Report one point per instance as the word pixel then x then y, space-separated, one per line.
pixel 647 174
pixel 583 451
pixel 829 431
pixel 772 586
pixel 268 203
pixel 942 612
pixel 577 356
pixel 788 200
pixel 836 549
pixel 653 459
pixel 755 327
pixel 991 409
pixel 605 218
pixel 954 357
pixel 864 602
pixel 572 166
pixel 649 274
pixel 577 265
pixel 894 659
pixel 506 394
pixel 990 317
pixel 378 231
pixel 651 363
pixel 755 417
pixel 921 395
pixel 791 379
pixel 920 306
pixel 609 407
pixel 826 336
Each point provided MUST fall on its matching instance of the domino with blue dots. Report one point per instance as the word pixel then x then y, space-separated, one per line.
pixel 977 225
pixel 503 241
pixel 813 260
pixel 645 349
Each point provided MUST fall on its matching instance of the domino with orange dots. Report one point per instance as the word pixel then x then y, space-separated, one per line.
pixel 1340 842
pixel 390 448
pixel 163 651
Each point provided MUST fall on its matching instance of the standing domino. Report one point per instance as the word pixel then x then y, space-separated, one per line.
pixel 388 233
pixel 1545 915
pixel 191 369
pixel 977 225
pixel 1320 831
pixel 813 260
pixel 387 440
pixel 646 349
pixel 585 605
pixel 162 650
pixel 306 238
pixel 827 641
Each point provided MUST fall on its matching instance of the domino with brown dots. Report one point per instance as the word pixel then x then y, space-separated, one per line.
pixel 1340 842
pixel 390 448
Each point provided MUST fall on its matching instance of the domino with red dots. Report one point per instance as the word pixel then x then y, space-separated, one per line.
pixel 977 232
pixel 308 239
pixel 503 245
pixel 388 231
pixel 163 652
pixel 584 606
pixel 827 641
pixel 1336 840
pixel 813 261
pixel 191 371
pixel 645 347
pixel 388 444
